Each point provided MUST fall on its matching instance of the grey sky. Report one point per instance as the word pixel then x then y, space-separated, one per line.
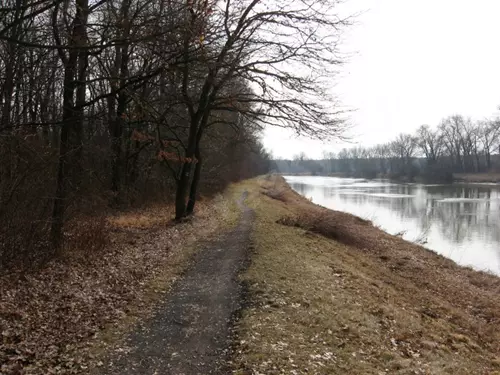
pixel 414 62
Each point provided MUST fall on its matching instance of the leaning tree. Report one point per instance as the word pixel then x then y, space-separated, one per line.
pixel 286 52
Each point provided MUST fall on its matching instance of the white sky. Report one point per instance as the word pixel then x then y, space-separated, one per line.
pixel 414 62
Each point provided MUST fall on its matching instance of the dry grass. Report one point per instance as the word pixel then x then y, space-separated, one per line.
pixel 336 226
pixel 477 177
pixel 149 217
pixel 63 317
pixel 86 236
pixel 378 305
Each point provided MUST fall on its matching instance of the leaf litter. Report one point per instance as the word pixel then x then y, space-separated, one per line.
pixel 58 319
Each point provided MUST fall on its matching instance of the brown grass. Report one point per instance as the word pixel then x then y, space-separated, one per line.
pixel 336 226
pixel 477 177
pixel 149 217
pixel 364 303
pixel 86 236
pixel 275 194
pixel 63 317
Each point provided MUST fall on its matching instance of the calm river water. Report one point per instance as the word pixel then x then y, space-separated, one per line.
pixel 459 221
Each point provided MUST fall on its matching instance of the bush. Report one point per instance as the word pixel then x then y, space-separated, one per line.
pixel 332 224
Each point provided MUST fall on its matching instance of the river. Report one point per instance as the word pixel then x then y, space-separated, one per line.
pixel 459 221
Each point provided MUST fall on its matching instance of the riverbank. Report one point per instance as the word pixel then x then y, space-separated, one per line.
pixel 332 294
pixel 456 177
pixel 477 177
pixel 325 293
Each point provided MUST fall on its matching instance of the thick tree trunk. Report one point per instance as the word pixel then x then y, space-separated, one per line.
pixel 193 151
pixel 117 135
pixel 185 176
pixel 116 148
pixel 70 135
pixel 180 194
pixel 81 89
pixel 64 152
pixel 61 189
pixel 194 183
pixel 10 69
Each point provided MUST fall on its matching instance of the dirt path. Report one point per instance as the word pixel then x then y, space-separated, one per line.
pixel 190 332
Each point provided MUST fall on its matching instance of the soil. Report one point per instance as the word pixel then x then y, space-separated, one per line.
pixel 190 332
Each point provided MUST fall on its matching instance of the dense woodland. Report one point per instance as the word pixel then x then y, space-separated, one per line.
pixel 457 145
pixel 106 104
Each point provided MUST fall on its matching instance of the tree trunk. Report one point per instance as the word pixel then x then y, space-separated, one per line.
pixel 81 89
pixel 8 90
pixel 69 135
pixel 121 64
pixel 117 134
pixel 64 152
pixel 61 190
pixel 488 161
pixel 180 194
pixel 194 183
pixel 10 68
pixel 184 178
pixel 116 148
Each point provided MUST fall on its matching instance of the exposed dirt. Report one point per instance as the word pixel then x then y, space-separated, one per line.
pixel 190 332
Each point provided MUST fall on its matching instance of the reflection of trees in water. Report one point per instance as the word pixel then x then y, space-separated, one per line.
pixel 456 221
pixel 302 189
pixel 461 220
pixel 452 224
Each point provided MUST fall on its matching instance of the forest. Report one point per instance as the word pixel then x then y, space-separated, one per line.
pixel 432 154
pixel 111 104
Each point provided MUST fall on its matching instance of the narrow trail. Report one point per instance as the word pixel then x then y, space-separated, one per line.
pixel 190 331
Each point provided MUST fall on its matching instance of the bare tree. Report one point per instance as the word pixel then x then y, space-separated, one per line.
pixel 282 50
pixel 489 132
pixel 430 143
pixel 106 100
pixel 75 67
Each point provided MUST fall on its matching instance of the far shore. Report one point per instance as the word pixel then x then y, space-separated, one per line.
pixel 488 177
pixel 477 177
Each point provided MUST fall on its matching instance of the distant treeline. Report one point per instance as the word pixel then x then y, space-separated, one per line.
pixel 457 145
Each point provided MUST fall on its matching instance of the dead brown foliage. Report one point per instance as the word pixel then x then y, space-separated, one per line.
pixel 49 316
pixel 275 194
pixel 330 224
pixel 472 293
pixel 377 305
pixel 314 218
pixel 87 235
pixel 273 189
pixel 477 177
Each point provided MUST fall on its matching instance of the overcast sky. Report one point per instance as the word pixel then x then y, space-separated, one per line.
pixel 414 62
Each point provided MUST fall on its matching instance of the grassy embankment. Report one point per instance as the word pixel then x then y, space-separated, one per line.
pixel 331 294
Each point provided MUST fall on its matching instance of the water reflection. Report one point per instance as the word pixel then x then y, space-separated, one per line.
pixel 459 221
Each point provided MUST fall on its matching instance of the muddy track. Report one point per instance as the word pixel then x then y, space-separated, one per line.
pixel 190 331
